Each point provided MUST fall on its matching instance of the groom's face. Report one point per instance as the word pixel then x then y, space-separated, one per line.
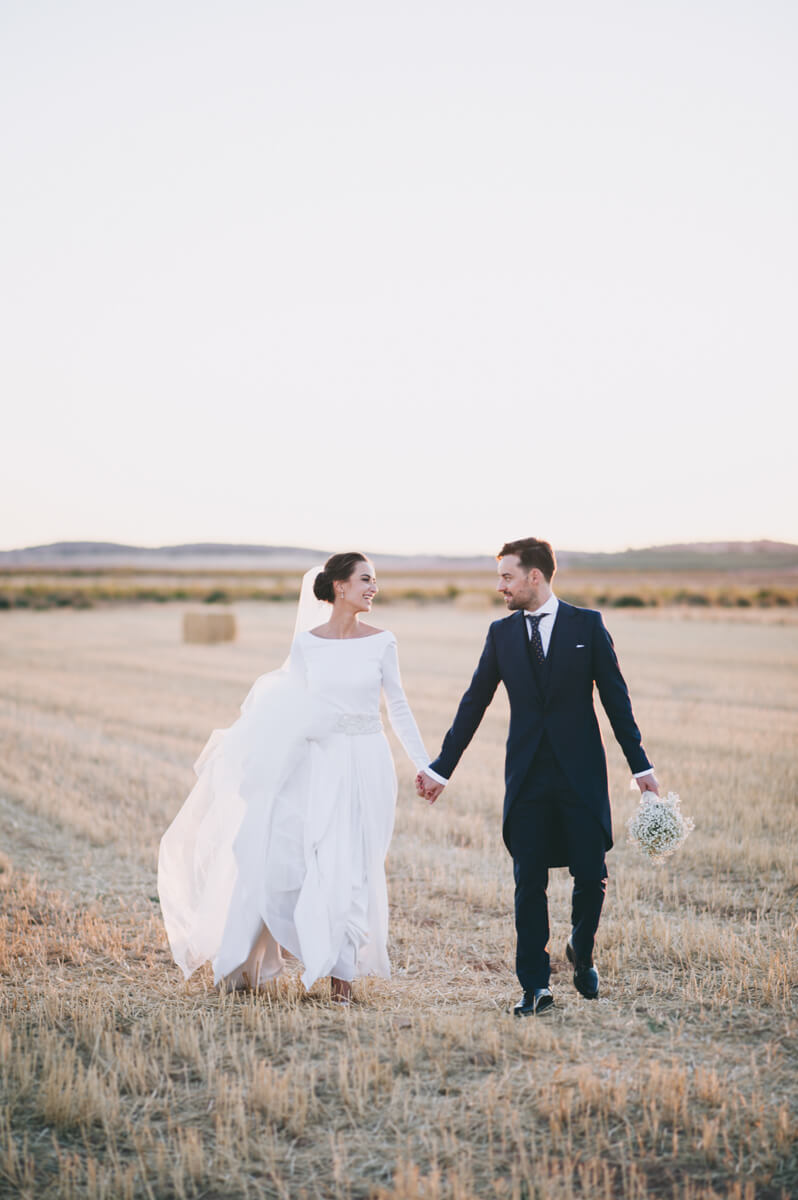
pixel 520 588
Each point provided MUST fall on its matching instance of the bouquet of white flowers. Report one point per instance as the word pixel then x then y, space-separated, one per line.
pixel 658 827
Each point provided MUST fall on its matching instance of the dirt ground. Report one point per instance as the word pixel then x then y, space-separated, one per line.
pixel 119 1080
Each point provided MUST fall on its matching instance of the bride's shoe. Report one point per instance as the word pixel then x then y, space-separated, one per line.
pixel 340 991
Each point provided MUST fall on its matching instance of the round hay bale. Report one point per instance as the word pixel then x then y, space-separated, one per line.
pixel 207 627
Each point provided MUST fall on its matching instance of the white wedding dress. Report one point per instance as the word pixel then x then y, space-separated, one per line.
pixel 282 841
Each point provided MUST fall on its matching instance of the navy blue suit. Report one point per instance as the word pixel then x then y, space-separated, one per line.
pixel 556 801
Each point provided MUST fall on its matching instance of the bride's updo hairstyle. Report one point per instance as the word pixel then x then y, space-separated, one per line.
pixel 337 569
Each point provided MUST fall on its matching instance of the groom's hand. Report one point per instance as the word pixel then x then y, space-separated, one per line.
pixel 648 783
pixel 428 788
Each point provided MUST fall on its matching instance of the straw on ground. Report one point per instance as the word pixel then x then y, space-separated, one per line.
pixel 117 1080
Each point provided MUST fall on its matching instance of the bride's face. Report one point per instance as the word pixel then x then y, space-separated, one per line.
pixel 359 589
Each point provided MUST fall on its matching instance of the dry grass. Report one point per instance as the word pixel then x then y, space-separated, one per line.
pixel 117 1080
pixel 707 585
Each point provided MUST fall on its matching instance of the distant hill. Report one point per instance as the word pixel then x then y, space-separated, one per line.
pixel 692 556
pixel 116 554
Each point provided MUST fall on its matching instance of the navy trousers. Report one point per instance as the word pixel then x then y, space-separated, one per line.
pixel 545 809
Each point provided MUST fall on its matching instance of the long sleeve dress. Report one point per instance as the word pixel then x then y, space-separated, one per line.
pixel 282 841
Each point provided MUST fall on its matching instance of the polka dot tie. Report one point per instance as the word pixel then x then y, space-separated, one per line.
pixel 534 636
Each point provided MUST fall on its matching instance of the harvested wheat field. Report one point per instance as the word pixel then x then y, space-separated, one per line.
pixel 118 1080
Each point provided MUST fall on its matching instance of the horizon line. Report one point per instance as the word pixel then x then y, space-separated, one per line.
pixel 255 547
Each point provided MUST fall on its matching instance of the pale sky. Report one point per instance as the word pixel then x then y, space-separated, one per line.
pixel 406 277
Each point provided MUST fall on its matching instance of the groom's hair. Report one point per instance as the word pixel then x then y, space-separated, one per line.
pixel 532 553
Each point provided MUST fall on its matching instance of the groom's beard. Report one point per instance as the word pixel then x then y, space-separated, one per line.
pixel 522 600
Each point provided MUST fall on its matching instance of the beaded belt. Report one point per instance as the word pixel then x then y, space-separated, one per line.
pixel 354 723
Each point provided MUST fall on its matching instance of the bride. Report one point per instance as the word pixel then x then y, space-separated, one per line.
pixel 282 842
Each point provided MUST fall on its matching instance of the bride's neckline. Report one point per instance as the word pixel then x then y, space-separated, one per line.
pixel 364 637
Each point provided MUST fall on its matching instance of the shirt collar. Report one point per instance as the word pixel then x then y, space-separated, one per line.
pixel 551 606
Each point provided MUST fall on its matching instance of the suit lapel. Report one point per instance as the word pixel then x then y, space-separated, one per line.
pixel 558 632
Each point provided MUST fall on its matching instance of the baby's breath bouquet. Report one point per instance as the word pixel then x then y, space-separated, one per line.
pixel 658 827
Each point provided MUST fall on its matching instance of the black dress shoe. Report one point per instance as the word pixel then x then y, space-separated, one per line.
pixel 586 977
pixel 533 1003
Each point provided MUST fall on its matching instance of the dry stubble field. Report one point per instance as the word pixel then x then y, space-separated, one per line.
pixel 117 1080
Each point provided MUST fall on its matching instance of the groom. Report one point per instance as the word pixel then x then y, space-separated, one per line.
pixel 548 654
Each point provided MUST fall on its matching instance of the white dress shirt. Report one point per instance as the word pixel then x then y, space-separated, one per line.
pixel 548 612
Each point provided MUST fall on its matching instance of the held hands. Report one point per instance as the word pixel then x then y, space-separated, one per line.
pixel 428 788
pixel 648 783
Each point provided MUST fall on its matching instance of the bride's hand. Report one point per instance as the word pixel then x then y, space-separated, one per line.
pixel 428 788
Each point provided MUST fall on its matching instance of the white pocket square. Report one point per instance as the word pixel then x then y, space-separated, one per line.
pixel 580 645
